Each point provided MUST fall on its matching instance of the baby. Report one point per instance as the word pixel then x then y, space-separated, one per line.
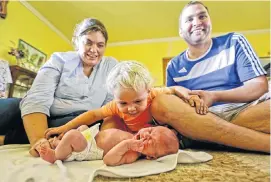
pixel 131 85
pixel 114 146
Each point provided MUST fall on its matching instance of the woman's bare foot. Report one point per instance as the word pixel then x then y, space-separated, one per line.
pixel 47 154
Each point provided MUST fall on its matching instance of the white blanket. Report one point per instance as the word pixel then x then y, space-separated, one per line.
pixel 16 165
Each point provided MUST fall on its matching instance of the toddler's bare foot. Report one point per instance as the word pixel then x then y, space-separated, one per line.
pixel 47 154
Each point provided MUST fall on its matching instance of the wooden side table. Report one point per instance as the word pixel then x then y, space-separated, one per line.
pixel 22 81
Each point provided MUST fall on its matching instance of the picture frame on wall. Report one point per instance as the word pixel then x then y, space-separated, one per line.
pixel 32 59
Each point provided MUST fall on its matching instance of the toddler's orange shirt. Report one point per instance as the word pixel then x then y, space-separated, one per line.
pixel 138 122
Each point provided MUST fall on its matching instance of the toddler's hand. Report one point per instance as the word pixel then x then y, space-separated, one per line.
pixel 61 130
pixel 198 103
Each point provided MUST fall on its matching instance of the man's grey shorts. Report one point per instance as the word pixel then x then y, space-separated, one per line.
pixel 229 111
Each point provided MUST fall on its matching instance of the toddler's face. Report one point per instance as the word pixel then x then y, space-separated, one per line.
pixel 131 102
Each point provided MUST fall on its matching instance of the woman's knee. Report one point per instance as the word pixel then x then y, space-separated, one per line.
pixel 10 105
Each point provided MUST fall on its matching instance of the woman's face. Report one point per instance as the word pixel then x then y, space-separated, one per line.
pixel 91 48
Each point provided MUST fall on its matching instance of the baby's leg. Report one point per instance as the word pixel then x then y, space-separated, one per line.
pixel 72 141
pixel 82 128
pixel 47 154
pixel 54 142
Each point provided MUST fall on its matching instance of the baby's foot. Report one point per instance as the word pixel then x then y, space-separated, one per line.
pixel 35 149
pixel 47 154
pixel 54 142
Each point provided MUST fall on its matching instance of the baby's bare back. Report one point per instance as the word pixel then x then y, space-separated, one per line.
pixel 107 139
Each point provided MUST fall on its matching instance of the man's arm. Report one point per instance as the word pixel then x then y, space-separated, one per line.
pixel 124 152
pixel 251 90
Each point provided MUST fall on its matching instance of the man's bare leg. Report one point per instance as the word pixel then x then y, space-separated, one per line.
pixel 255 117
pixel 171 110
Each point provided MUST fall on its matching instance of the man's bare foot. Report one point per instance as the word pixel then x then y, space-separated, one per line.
pixel 47 154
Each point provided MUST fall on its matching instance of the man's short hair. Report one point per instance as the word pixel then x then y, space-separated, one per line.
pixel 192 3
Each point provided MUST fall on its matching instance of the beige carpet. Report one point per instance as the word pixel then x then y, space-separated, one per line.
pixel 226 166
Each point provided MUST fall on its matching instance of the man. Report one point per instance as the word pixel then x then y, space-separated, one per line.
pixel 226 73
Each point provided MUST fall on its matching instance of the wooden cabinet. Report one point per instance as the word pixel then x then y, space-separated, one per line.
pixel 165 62
pixel 22 81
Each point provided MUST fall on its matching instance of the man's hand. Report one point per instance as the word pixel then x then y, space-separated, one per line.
pixel 199 104
pixel 206 96
pixel 182 92
pixel 60 131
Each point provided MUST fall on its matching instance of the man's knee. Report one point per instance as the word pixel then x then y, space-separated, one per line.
pixel 166 106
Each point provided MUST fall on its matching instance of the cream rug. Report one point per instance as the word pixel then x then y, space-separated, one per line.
pixel 16 165
pixel 236 166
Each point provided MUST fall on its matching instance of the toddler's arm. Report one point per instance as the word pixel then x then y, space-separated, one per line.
pixel 86 118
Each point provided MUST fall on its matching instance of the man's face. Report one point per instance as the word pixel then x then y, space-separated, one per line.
pixel 195 25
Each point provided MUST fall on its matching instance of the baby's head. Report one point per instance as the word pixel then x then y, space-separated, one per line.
pixel 130 82
pixel 160 141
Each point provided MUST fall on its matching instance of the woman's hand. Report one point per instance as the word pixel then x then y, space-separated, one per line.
pixel 60 131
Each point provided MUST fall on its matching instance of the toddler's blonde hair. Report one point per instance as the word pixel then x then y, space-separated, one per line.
pixel 129 74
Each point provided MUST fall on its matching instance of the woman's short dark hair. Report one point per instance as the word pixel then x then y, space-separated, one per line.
pixel 88 25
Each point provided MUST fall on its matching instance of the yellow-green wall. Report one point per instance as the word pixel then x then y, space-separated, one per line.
pixel 20 23
pixel 23 24
pixel 152 54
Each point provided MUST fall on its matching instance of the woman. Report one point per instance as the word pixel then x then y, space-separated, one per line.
pixel 68 84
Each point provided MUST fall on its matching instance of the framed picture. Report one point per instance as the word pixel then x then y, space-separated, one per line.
pixel 33 58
